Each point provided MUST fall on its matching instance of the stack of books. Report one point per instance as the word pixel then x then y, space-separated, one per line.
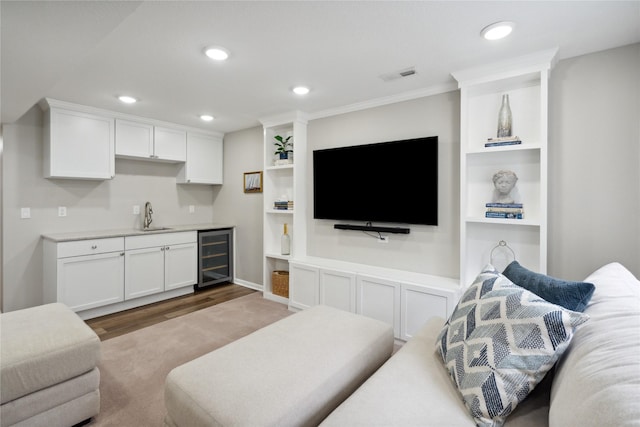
pixel 504 210
pixel 505 140
pixel 284 205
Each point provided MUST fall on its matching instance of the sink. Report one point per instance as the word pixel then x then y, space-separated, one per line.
pixel 155 229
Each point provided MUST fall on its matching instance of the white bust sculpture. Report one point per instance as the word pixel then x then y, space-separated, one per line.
pixel 504 182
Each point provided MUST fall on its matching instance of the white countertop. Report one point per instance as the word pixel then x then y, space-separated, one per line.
pixel 102 234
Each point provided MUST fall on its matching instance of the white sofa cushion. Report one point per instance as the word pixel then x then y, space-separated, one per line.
pixel 599 376
pixel 43 346
pixel 499 343
pixel 411 389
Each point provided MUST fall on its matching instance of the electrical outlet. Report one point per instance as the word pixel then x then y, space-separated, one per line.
pixel 62 211
pixel 383 239
pixel 25 213
pixel 192 209
pixel 136 209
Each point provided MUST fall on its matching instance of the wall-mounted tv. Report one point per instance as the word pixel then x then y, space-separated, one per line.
pixel 389 182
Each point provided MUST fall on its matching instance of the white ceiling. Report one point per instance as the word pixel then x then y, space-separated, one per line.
pixel 87 52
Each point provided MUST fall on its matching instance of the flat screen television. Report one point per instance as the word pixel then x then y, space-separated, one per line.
pixel 389 182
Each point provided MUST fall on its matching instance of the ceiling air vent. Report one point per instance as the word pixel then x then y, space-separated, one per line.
pixel 398 74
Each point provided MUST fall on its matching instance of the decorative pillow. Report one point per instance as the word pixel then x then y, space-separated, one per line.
pixel 572 295
pixel 499 343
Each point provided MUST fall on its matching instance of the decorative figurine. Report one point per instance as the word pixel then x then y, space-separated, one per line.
pixel 504 182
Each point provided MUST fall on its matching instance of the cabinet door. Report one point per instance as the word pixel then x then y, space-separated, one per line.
pixel 180 265
pixel 145 272
pixel 90 281
pixel 79 145
pixel 304 286
pixel 379 299
pixel 418 306
pixel 204 160
pixel 170 144
pixel 134 139
pixel 338 289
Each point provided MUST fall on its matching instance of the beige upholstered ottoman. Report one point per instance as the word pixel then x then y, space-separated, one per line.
pixel 291 373
pixel 48 374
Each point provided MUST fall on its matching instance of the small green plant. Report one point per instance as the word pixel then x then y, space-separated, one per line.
pixel 283 145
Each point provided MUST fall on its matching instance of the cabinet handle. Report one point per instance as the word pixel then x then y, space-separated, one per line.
pixel 162 248
pixel 121 253
pixel 94 246
pixel 167 248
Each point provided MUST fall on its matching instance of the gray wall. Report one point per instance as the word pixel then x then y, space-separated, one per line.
pixel 242 153
pixel 594 163
pixel 427 249
pixel 594 194
pixel 90 205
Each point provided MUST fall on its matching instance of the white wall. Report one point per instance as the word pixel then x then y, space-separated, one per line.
pixel 90 205
pixel 594 163
pixel 427 249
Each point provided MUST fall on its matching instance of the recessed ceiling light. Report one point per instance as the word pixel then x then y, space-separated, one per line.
pixel 206 117
pixel 497 30
pixel 301 90
pixel 217 53
pixel 127 99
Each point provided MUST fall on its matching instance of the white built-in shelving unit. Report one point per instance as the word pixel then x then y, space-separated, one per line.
pixel 283 180
pixel 525 80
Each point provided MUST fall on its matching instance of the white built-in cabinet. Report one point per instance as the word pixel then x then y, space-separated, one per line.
pixel 403 300
pixel 525 80
pixel 84 274
pixel 77 145
pixel 137 140
pixel 160 262
pixel 82 142
pixel 101 276
pixel 283 181
pixel 204 163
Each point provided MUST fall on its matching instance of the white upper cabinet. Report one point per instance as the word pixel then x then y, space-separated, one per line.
pixel 144 141
pixel 78 145
pixel 204 160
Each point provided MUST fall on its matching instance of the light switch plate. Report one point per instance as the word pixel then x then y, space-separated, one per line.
pixel 25 213
pixel 62 211
pixel 136 209
pixel 192 209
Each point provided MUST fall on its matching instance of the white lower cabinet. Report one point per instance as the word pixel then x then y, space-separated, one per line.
pixel 84 274
pixel 160 262
pixel 306 292
pixel 404 300
pixel 101 276
pixel 379 299
pixel 338 289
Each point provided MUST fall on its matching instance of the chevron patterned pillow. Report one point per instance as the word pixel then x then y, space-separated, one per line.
pixel 499 343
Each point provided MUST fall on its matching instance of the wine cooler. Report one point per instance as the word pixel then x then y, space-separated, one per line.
pixel 215 257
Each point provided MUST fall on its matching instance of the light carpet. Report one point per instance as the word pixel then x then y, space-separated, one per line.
pixel 134 366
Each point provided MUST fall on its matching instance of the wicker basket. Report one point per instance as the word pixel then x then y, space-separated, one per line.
pixel 280 283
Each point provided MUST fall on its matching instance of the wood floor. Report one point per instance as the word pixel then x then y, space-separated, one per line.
pixel 117 324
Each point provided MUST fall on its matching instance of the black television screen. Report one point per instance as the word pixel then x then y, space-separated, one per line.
pixel 391 182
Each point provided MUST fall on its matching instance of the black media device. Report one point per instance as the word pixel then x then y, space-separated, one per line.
pixel 390 182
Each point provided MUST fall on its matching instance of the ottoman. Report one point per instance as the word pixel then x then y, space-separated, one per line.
pixel 48 374
pixel 293 372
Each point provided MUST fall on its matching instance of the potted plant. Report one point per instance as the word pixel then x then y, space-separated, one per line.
pixel 283 148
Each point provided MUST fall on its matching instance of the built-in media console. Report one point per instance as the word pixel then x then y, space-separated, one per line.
pixel 374 228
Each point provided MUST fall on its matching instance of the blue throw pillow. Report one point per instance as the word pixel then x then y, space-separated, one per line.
pixel 570 295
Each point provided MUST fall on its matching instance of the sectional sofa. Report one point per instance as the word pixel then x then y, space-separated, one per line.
pixel 506 356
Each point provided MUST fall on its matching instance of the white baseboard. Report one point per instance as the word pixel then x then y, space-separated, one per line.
pixel 247 284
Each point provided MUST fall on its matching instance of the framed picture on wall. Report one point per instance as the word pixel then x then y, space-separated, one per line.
pixel 253 182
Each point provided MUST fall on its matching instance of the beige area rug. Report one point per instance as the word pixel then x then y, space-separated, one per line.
pixel 134 366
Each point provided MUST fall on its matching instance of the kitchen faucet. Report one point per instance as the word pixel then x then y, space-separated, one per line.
pixel 148 210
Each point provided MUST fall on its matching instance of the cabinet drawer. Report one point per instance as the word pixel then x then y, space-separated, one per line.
pixel 90 247
pixel 161 239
